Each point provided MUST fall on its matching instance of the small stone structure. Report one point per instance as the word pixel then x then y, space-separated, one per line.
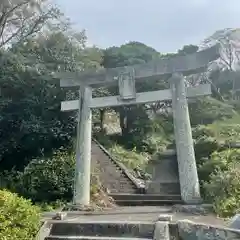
pixel 165 176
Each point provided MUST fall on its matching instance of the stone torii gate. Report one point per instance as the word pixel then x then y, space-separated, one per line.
pixel 176 68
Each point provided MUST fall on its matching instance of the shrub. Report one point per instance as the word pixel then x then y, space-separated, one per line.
pixel 51 206
pixel 228 130
pixel 208 110
pixel 202 131
pixel 48 179
pixel 19 218
pixel 217 161
pixel 204 147
pixel 224 190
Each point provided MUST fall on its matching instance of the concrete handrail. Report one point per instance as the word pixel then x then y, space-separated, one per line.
pixel 44 230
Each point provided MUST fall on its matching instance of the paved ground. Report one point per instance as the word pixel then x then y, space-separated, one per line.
pixel 144 213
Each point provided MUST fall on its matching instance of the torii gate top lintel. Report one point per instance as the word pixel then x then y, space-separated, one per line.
pixel 186 64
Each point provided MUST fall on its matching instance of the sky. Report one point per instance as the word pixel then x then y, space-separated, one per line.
pixel 165 25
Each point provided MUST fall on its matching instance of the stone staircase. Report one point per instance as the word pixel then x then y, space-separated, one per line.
pixel 125 199
pixel 124 188
pixel 113 175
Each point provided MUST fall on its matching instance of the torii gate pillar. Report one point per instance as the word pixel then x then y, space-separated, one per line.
pixel 83 149
pixel 188 177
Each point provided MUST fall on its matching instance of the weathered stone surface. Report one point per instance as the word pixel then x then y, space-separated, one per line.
pixel 165 217
pixel 164 171
pixel 163 188
pixel 235 222
pixel 188 64
pixel 189 183
pixel 141 98
pixel 202 209
pixel 44 231
pixel 103 229
pixel 60 216
pixel 192 231
pixel 161 231
pixel 82 179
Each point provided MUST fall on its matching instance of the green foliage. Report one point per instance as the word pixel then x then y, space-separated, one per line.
pixel 48 179
pixel 159 135
pixel 208 110
pixel 19 218
pixel 154 142
pixel 51 206
pixel 205 142
pixel 228 130
pixel 217 160
pixel 31 123
pixel 132 159
pixel 201 131
pixel 128 54
pixel 211 154
pixel 205 146
pixel 188 49
pixel 224 187
pixel 134 120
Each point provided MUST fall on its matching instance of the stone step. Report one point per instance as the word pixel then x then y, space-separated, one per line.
pixel 149 197
pixel 92 238
pixel 147 202
pixel 165 188
pixel 145 199
pixel 102 229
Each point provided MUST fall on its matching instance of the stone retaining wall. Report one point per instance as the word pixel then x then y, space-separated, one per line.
pixel 188 230
pixel 194 231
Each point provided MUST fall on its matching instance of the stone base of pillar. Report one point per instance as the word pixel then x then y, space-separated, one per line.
pixel 197 201
pixel 163 188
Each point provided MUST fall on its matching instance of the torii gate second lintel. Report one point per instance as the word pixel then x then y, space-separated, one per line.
pixel 126 77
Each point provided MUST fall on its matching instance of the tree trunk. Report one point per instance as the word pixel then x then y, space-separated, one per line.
pixel 123 122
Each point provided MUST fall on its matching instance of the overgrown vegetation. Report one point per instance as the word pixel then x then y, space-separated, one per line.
pixel 223 187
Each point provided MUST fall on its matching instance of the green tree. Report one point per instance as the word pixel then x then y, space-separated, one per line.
pixel 31 122
pixel 188 49
pixel 48 178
